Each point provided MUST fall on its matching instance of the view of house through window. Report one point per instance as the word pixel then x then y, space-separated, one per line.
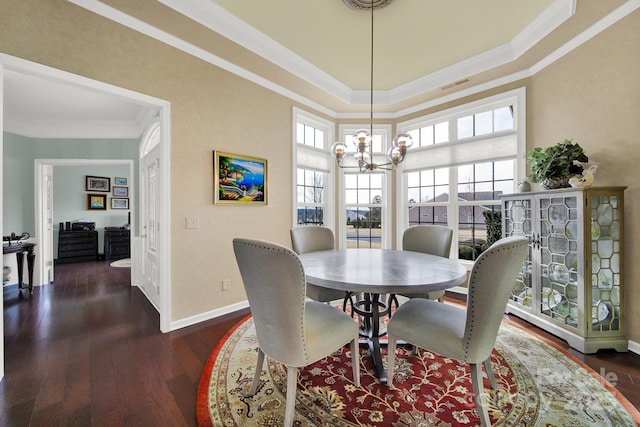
pixel 463 162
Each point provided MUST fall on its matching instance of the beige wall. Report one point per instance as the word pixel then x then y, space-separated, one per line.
pixel 211 110
pixel 591 96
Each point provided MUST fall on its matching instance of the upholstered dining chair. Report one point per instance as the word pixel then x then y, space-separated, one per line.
pixel 428 239
pixel 311 239
pixel 466 334
pixel 290 328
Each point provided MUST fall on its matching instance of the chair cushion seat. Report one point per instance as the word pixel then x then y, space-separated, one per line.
pixel 426 295
pixel 322 294
pixel 432 325
pixel 320 318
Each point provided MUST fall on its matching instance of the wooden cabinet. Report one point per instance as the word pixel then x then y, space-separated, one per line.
pixel 116 243
pixel 76 246
pixel 572 282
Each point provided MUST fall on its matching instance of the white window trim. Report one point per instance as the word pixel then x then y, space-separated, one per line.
pixel 324 157
pixel 517 97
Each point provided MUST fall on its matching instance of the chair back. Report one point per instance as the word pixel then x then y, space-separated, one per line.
pixel 428 239
pixel 491 281
pixel 274 282
pixel 311 239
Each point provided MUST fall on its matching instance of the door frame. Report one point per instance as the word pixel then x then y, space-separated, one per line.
pixel 163 107
pixel 40 166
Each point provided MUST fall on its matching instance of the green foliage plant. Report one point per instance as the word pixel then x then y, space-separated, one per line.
pixel 556 162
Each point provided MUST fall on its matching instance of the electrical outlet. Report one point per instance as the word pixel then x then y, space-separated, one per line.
pixel 226 284
pixel 192 222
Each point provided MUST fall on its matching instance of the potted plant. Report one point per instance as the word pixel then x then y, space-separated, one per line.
pixel 553 166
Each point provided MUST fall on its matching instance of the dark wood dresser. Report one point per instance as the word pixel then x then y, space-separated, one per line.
pixel 116 243
pixel 76 246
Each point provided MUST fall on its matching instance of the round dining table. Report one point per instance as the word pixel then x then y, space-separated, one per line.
pixel 373 273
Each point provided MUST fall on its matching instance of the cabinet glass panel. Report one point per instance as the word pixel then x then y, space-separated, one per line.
pixel 558 291
pixel 572 281
pixel 518 217
pixel 605 267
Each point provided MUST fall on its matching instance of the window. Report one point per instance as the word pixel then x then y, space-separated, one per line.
pixel 311 204
pixel 365 197
pixel 430 134
pixel 309 135
pixel 313 179
pixel 465 159
pixel 363 202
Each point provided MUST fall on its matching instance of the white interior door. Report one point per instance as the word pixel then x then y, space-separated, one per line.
pixel 47 234
pixel 150 208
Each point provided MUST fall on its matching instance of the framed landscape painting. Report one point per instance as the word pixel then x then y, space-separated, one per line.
pixel 239 180
pixel 120 191
pixel 96 201
pixel 119 203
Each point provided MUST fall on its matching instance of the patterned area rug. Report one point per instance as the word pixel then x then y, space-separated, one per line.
pixel 538 386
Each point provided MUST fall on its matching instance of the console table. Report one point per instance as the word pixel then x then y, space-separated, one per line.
pixel 20 249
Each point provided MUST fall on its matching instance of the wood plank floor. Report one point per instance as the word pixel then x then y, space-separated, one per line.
pixel 87 351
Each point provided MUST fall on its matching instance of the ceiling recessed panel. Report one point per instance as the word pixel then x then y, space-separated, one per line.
pixel 412 38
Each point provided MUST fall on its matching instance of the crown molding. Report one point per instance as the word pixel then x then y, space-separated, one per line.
pixel 228 25
pixel 122 18
pixel 219 20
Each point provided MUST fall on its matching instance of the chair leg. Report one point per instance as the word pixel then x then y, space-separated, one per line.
pixel 391 359
pixel 292 385
pixel 478 391
pixel 256 375
pixel 489 369
pixel 414 350
pixel 355 360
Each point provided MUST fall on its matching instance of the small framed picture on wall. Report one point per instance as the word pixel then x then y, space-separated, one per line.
pixel 96 201
pixel 120 181
pixel 98 183
pixel 120 191
pixel 119 203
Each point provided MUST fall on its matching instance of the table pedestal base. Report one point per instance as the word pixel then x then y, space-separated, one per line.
pixel 370 309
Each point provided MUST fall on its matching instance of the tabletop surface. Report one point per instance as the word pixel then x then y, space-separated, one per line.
pixel 17 247
pixel 382 270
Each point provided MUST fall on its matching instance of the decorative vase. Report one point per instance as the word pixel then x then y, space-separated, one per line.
pixel 551 183
pixel 524 186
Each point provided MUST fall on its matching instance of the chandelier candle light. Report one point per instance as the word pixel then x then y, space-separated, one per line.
pixel 361 142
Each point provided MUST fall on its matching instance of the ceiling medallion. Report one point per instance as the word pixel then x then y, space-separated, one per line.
pixel 367 4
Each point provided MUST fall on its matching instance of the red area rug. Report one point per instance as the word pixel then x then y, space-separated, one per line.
pixel 539 385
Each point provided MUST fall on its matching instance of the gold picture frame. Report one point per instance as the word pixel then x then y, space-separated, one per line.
pixel 239 180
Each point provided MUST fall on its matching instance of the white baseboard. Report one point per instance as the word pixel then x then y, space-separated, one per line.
pixel 634 347
pixel 189 321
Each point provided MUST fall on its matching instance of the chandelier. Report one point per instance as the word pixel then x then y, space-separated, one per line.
pixel 361 144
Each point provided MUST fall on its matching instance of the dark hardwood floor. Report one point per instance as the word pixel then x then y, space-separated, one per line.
pixel 87 351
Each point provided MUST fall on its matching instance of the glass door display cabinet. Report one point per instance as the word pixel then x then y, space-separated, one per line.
pixel 571 283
